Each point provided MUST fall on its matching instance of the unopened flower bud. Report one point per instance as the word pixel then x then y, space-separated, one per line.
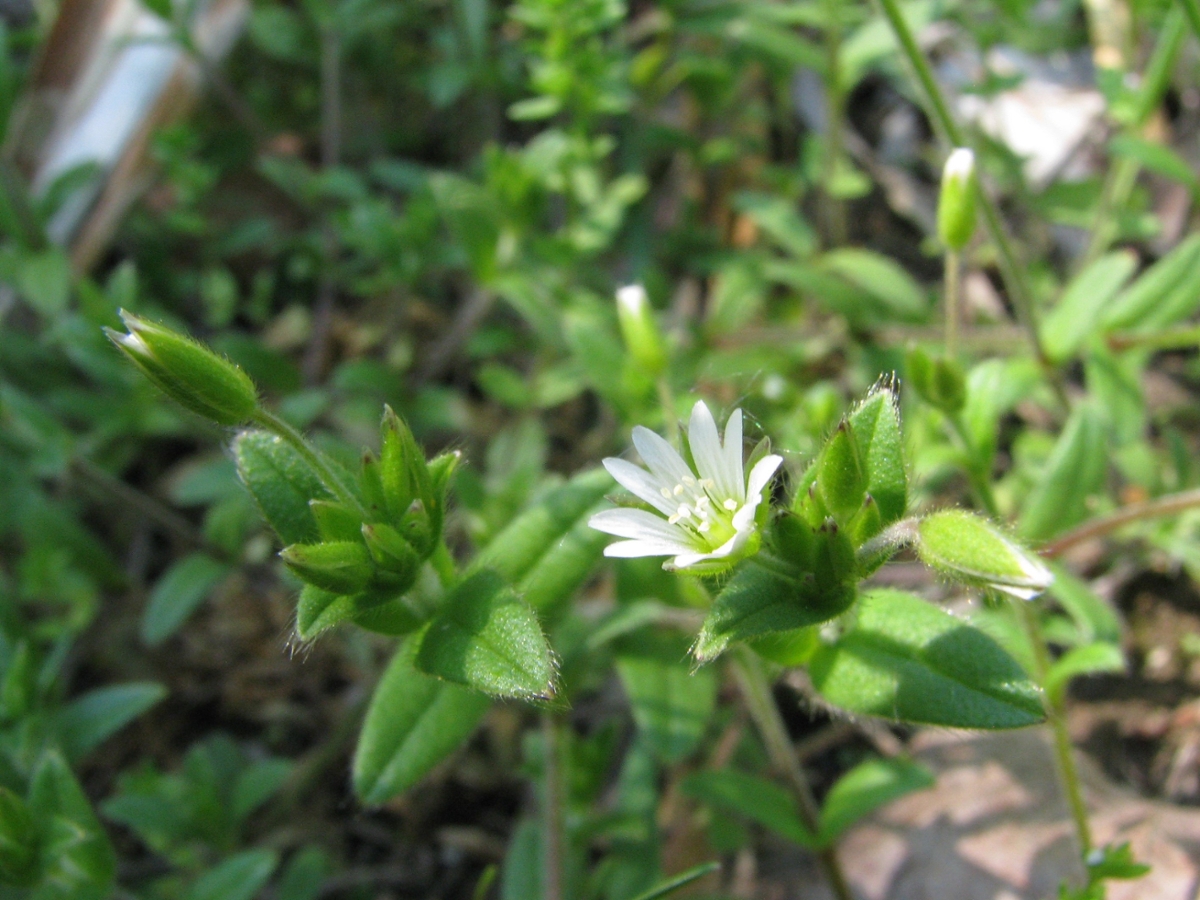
pixel 343 567
pixel 967 548
pixel 643 340
pixel 188 372
pixel 390 550
pixel 956 204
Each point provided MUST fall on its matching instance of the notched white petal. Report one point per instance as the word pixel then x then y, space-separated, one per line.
pixel 640 483
pixel 663 459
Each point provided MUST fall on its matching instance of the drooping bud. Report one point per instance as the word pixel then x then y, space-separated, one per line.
pixel 643 340
pixel 939 380
pixel 188 372
pixel 343 567
pixel 969 549
pixel 956 203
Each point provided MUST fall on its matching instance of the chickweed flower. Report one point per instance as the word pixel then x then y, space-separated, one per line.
pixel 707 519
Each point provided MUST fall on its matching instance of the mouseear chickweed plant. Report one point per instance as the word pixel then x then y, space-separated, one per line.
pixel 781 555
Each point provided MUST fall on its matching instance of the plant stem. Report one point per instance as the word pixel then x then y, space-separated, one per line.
pixel 756 690
pixel 1056 717
pixel 953 276
pixel 944 122
pixel 666 397
pixel 329 477
pixel 1167 339
pixel 1191 9
pixel 981 487
pixel 1134 512
pixel 552 811
pixel 835 210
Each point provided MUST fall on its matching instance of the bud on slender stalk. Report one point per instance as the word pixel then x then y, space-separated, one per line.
pixel 956 204
pixel 643 340
pixel 969 549
pixel 188 372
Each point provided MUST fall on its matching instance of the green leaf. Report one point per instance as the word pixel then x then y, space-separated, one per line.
pixel 758 601
pixel 1115 862
pixel 240 877
pixel 756 798
pixel 865 788
pixel 18 841
pixel 564 568
pixel 883 279
pixel 281 483
pixel 1075 471
pixel 907 660
pixel 412 724
pixel 1085 660
pixel 1076 315
pixel 1142 300
pixel 671 885
pixel 84 723
pixel 77 861
pixel 1156 157
pixel 486 637
pixel 181 589
pixel 304 875
pixel 44 280
pixel 671 705
pixel 256 784
pixel 876 424
pixel 536 532
pixel 1096 619
pixel 318 611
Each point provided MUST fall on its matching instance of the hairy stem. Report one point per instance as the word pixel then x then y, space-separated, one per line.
pixel 1135 512
pixel 552 811
pixel 1056 717
pixel 939 111
pixel 835 209
pixel 756 690
pixel 328 475
pixel 953 284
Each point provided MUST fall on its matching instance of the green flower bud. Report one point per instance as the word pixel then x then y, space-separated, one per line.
pixel 956 204
pixel 343 567
pixel 841 476
pixel 187 371
pixel 794 541
pixel 938 380
pixel 371 482
pixel 390 550
pixel 399 457
pixel 335 521
pixel 643 340
pixel 18 841
pixel 969 549
pixel 866 523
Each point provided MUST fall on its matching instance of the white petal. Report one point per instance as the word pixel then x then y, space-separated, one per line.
pixel 743 519
pixel 732 452
pixel 706 449
pixel 761 474
pixel 641 484
pixel 685 560
pixel 630 549
pixel 639 524
pixel 663 459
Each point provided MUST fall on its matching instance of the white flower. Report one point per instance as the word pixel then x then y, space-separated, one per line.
pixel 709 518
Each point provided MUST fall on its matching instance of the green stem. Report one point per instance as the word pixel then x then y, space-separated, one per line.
pixel 835 210
pixel 666 398
pixel 756 690
pixel 1136 512
pixel 1167 339
pixel 329 477
pixel 944 122
pixel 1056 717
pixel 552 802
pixel 981 486
pixel 953 276
pixel 443 564
pixel 1191 9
